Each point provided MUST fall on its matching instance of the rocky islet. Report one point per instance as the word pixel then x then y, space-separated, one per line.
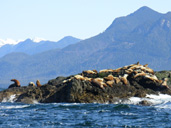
pixel 105 86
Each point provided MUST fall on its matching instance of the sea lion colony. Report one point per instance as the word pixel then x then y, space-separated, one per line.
pixel 109 77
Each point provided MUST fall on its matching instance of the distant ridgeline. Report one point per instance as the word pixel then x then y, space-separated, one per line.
pixel 31 47
pixel 141 36
pixel 105 86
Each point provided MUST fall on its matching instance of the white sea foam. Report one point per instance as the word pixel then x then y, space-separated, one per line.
pixel 70 104
pixel 12 98
pixel 13 106
pixel 152 99
pixel 35 102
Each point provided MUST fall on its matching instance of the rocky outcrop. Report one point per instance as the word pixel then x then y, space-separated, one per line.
pixel 105 86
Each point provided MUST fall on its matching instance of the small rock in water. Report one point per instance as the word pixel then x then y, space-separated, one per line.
pixel 145 103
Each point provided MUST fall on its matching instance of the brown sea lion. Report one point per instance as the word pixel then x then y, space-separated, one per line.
pixel 138 63
pixel 128 71
pixel 16 83
pixel 90 72
pixel 149 70
pixel 109 78
pixel 38 83
pixel 99 82
pixel 79 77
pixel 117 80
pixel 124 79
pixel 117 70
pixel 110 83
pixel 140 74
pixel 145 65
pixel 95 71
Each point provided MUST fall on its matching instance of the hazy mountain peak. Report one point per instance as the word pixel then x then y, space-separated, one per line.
pixel 130 22
pixel 145 9
pixel 145 12
pixel 69 38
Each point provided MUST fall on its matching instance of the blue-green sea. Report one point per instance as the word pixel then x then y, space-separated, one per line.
pixel 76 115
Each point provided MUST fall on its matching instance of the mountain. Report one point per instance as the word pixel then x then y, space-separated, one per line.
pixel 32 47
pixel 141 36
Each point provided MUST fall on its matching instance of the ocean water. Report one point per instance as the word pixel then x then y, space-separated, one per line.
pixel 75 115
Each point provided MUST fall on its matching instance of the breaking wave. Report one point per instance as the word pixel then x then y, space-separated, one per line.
pixel 14 106
pixel 161 100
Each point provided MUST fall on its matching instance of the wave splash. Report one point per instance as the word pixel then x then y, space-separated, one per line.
pixel 161 100
pixel 11 99
pixel 14 106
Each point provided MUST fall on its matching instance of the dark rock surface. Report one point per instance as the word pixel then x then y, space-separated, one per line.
pixel 82 89
pixel 145 103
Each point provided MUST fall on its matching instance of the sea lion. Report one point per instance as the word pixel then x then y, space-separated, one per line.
pixel 99 82
pixel 140 74
pixel 90 72
pixel 67 80
pixel 95 71
pixel 88 79
pixel 137 67
pixel 160 81
pixel 79 77
pixel 149 70
pixel 165 82
pixel 106 71
pixel 16 83
pixel 109 78
pixel 152 77
pixel 128 71
pixel 38 83
pixel 124 79
pixel 110 83
pixel 31 84
pixel 117 70
pixel 145 65
pixel 117 80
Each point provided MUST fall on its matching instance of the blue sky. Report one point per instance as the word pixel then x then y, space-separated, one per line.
pixel 54 19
